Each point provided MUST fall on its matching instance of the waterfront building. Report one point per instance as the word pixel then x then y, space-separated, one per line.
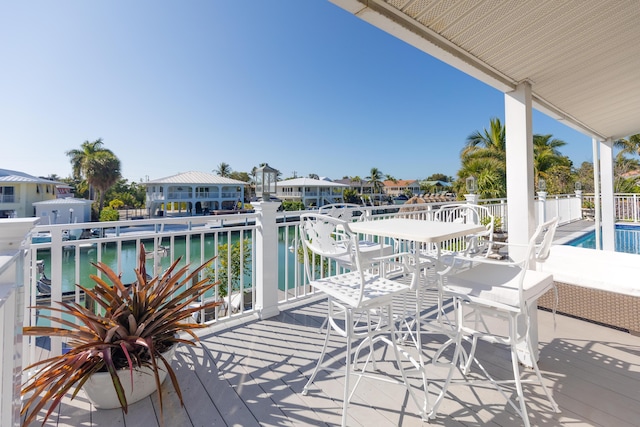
pixel 312 192
pixel 19 191
pixel 193 193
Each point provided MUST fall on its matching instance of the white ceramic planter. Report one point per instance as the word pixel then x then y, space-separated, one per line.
pixel 100 391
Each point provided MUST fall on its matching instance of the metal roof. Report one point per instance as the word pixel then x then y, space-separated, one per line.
pixel 582 57
pixel 195 177
pixel 7 175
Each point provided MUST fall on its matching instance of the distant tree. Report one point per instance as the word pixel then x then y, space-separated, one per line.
pixel 356 179
pixel 350 195
pixel 391 178
pixel 630 145
pixel 223 170
pixel 550 164
pixel 584 174
pixel 439 177
pixel 102 171
pixel 292 205
pixel 240 176
pixel 375 179
pixel 314 176
pixel 81 158
pixel 109 214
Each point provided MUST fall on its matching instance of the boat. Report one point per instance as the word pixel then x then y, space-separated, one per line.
pixel 44 283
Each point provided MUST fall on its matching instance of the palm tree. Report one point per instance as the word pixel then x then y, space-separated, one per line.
pixel 223 170
pixel 375 178
pixel 548 162
pixel 493 140
pixel 484 157
pixel 81 158
pixel 102 172
pixel 628 146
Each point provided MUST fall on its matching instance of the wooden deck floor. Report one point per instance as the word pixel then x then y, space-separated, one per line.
pixel 252 374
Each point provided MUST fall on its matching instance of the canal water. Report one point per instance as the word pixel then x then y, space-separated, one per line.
pixel 129 258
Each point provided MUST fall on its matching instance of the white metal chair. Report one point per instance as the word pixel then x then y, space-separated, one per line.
pixel 467 213
pixel 507 290
pixel 360 301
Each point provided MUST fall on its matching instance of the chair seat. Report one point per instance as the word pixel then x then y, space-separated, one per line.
pixel 345 288
pixel 497 285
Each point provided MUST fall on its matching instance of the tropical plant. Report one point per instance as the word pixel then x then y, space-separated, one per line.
pixel 630 145
pixel 350 195
pixel 292 205
pixel 109 214
pixel 484 157
pixel 102 171
pixel 375 179
pixel 98 165
pixel 549 164
pixel 233 263
pixel 131 328
pixel 223 170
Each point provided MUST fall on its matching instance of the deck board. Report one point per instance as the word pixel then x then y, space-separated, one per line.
pixel 252 374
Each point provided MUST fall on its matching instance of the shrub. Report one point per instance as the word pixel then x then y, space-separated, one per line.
pixel 109 214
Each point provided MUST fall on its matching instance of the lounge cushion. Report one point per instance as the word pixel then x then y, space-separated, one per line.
pixel 493 284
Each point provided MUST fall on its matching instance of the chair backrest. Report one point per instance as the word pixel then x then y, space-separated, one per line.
pixel 543 238
pixel 318 234
pixel 330 238
pixel 345 211
pixel 467 213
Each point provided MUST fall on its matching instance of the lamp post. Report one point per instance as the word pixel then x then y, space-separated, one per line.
pixel 266 242
pixel 266 178
pixel 542 199
pixel 70 215
pixel 472 187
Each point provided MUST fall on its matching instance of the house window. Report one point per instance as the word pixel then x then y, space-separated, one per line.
pixel 6 194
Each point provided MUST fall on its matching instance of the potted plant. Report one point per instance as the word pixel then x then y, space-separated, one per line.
pixel 131 330
pixel 499 235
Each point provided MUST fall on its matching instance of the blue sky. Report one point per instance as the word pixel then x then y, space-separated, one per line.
pixel 177 86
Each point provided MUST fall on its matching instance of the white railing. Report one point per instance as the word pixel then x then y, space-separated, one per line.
pixel 179 195
pixel 12 309
pixel 275 272
pixel 627 206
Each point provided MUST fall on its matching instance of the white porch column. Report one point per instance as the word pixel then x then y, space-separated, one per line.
pixel 266 259
pixel 596 191
pixel 608 206
pixel 519 145
pixel 520 190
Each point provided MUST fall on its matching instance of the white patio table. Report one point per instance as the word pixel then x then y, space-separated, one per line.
pixel 418 231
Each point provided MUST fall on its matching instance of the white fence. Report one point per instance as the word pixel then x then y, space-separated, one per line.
pixel 627 206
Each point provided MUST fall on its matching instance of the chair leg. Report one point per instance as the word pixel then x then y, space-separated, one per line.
pixel 534 364
pixel 396 352
pixel 305 390
pixel 349 332
pixel 516 377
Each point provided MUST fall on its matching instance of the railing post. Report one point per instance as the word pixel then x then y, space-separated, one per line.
pixel 266 259
pixel 12 308
pixel 542 207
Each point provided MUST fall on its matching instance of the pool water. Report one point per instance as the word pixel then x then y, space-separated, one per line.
pixel 627 239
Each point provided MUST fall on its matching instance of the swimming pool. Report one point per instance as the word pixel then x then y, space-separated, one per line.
pixel 627 239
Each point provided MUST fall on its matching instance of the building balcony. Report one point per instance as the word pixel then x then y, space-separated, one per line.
pixel 255 358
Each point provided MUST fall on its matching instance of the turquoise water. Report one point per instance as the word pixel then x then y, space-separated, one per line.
pixel 129 260
pixel 627 239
